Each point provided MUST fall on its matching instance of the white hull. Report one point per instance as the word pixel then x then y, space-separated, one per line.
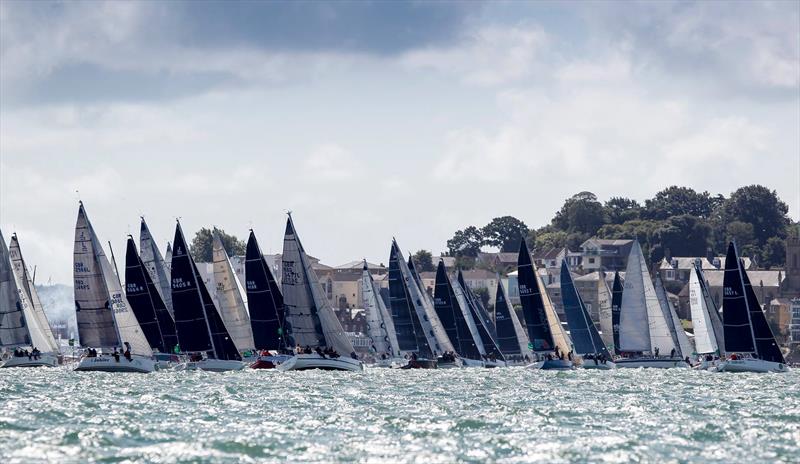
pixel 109 364
pixel 212 365
pixel 751 365
pixel 302 362
pixel 495 364
pixel 45 360
pixel 594 364
pixel 552 364
pixel 388 363
pixel 655 363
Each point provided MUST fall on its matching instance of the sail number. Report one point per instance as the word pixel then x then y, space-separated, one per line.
pixel 290 276
pixel 178 283
pixel 118 303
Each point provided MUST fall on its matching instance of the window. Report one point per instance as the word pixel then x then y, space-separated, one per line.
pixel 669 274
pixel 591 260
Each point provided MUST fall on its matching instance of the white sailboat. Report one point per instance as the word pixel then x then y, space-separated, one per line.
pixel 380 327
pixel 708 333
pixel 105 320
pixel 314 326
pixel 22 320
pixel 229 298
pixel 644 334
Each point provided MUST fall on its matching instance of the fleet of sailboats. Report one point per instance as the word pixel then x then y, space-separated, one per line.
pixel 167 317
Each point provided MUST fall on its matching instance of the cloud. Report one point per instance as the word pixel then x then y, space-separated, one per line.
pixel 330 162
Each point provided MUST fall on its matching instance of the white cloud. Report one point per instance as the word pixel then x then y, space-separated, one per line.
pixel 330 162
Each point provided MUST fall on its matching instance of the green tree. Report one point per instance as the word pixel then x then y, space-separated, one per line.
pixel 639 229
pixel 580 213
pixel 740 232
pixel 505 233
pixel 773 253
pixel 684 235
pixel 619 210
pixel 423 260
pixel 761 207
pixel 551 239
pixel 678 201
pixel 466 242
pixel 203 245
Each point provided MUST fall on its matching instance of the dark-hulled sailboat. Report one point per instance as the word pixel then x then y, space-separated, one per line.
pixel 201 332
pixel 749 342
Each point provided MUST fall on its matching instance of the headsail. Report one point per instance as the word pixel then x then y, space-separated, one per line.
pixel 477 304
pixel 308 311
pixel 539 334
pixel 745 327
pixel 264 300
pixel 377 327
pixel 197 321
pixel 605 311
pixel 581 327
pixel 483 323
pixel 511 338
pixel 410 336
pixel 231 304
pixel 145 300
pixel 679 338
pixel 453 317
pixel 155 265
pixel 705 317
pixel 41 334
pixel 13 326
pixel 168 263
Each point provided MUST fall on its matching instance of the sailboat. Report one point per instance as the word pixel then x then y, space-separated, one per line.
pixel 484 325
pixel 511 338
pixel 155 265
pixel 456 318
pixel 708 332
pixel 315 327
pixel 105 318
pixel 616 303
pixel 412 269
pixel 584 334
pixel 202 334
pixel 749 341
pixel 417 344
pixel 22 319
pixel 542 333
pixel 229 298
pixel 265 302
pixel 380 327
pixel 644 332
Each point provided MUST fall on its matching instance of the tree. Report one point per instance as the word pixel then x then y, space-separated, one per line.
pixel 684 235
pixel 466 242
pixel 580 213
pixel 505 233
pixel 740 232
pixel 483 294
pixel 619 210
pixel 548 240
pixel 773 253
pixel 639 229
pixel 678 201
pixel 423 260
pixel 203 245
pixel 761 207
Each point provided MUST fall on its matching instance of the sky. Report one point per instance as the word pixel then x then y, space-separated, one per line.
pixel 373 120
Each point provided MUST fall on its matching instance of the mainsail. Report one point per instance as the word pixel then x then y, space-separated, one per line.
pixel 41 334
pixel 146 303
pixel 13 326
pixel 155 265
pixel 410 335
pixel 539 334
pixel 745 326
pixel 679 338
pixel 707 324
pixel 453 316
pixel 197 321
pixel 105 318
pixel 229 298
pixel 483 322
pixel 581 327
pixel 378 328
pixel 616 304
pixel 308 311
pixel 510 336
pixel 643 327
pixel 605 311
pixel 264 300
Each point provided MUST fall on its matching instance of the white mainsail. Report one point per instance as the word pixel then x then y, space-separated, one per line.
pixel 40 331
pixel 380 329
pixel 679 338
pixel 429 320
pixel 604 311
pixel 155 265
pixel 708 334
pixel 308 311
pixel 229 298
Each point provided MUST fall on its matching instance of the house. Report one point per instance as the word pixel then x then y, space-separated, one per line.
pixel 794 325
pixel 779 317
pixel 482 279
pixel 501 262
pixel 588 287
pixel 602 254
pixel 678 268
pixel 358 266
pixel 766 284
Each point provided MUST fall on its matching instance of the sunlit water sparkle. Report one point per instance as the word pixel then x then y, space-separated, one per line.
pixel 387 416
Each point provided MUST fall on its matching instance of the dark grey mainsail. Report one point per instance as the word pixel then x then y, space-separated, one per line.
pixel 452 316
pixel 410 335
pixel 507 336
pixel 539 334
pixel 13 327
pixel 155 265
pixel 585 337
pixel 483 322
pixel 308 311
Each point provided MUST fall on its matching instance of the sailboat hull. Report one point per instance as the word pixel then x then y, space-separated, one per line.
pixel 301 362
pixel 269 362
pixel 552 365
pixel 490 364
pixel 420 364
pixel 45 360
pixel 212 365
pixel 751 365
pixel 109 364
pixel 595 364
pixel 655 363
pixel 472 363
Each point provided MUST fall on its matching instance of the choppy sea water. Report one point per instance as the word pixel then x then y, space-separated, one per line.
pixel 387 416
